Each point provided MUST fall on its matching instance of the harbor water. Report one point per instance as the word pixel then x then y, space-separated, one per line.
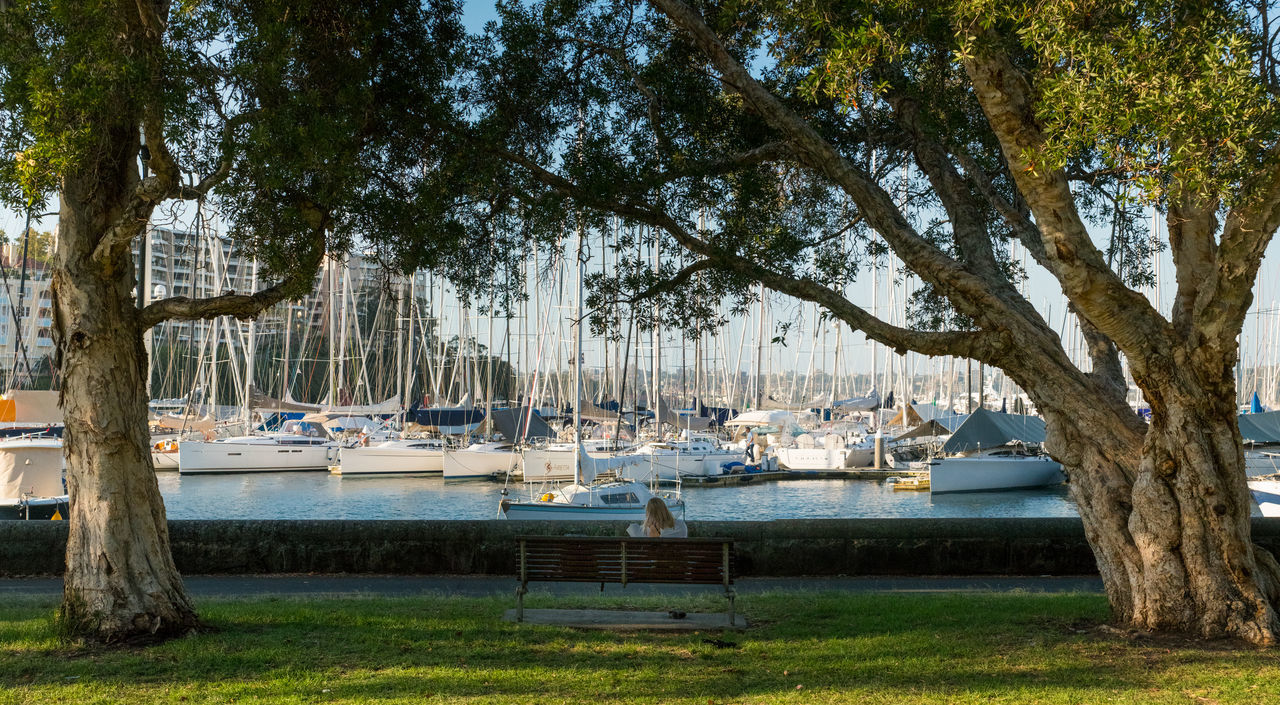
pixel 319 495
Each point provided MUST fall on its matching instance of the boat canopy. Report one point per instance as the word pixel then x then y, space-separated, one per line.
pixel 464 419
pixel 175 422
pixel 770 404
pixel 32 468
pixel 597 414
pixel 987 429
pixel 670 416
pixel 32 406
pixel 871 402
pixel 1260 428
pixel 763 417
pixel 929 428
pixel 387 407
pixel 264 403
pixel 511 424
pixel 907 417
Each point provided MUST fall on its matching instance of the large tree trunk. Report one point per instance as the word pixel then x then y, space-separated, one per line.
pixel 121 583
pixel 1167 513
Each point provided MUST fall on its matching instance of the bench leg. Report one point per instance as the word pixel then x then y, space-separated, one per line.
pixel 520 591
pixel 730 594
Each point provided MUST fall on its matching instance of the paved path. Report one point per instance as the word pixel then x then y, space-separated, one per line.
pixel 481 586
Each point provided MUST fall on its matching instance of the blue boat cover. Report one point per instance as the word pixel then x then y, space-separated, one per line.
pixel 446 417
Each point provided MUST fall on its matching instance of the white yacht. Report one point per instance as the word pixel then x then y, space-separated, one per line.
pixel 300 446
pixel 988 452
pixel 422 456
pixel 1005 468
pixel 480 461
pixel 164 455
pixel 31 484
pixel 554 462
pixel 597 495
pixel 833 454
pixel 671 460
pixel 612 500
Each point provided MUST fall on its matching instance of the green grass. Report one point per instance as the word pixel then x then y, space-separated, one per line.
pixel 805 648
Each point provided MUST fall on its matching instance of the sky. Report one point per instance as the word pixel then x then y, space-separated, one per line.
pixel 810 346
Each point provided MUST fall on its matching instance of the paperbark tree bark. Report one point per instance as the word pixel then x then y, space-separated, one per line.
pixel 121 583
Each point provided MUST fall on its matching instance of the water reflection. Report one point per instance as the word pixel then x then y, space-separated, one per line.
pixel 317 495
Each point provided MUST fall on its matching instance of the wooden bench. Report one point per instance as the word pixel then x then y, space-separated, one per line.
pixel 624 560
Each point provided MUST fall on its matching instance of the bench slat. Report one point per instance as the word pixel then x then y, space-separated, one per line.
pixel 647 560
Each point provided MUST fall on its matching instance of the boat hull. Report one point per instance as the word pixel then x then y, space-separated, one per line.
pixel 477 465
pixel 551 511
pixel 1267 494
pixel 389 461
pixel 811 458
pixel 36 509
pixel 210 457
pixel 986 474
pixel 644 467
pixel 572 511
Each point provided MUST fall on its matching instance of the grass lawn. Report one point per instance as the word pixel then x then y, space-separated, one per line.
pixel 805 648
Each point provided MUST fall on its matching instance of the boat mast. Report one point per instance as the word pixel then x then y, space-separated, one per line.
pixel 760 353
pixel 252 345
pixel 577 369
pixel 400 321
pixel 286 373
pixel 657 337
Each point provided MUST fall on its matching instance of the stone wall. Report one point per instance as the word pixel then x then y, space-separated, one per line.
pixel 775 548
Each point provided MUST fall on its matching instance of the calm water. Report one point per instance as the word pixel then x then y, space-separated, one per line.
pixel 319 495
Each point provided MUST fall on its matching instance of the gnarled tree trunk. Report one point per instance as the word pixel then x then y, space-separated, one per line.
pixel 1166 509
pixel 121 583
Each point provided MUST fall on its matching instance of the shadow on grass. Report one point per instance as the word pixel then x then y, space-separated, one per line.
pixel 901 647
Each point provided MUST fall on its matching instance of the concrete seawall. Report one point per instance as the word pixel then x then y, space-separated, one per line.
pixel 818 547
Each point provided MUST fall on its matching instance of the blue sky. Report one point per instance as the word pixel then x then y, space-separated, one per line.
pixel 805 345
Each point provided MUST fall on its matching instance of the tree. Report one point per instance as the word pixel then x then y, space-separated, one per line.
pixel 791 144
pixel 285 116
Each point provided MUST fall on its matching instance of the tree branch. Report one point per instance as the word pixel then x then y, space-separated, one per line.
pixel 1103 354
pixel 164 184
pixel 1192 229
pixel 968 292
pixel 298 282
pixel 680 279
pixel 967 223
pixel 1247 232
pixel 654 104
pixel 770 152
pixel 1120 313
pixel 980 345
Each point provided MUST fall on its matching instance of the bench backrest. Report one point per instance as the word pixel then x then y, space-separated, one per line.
pixel 606 559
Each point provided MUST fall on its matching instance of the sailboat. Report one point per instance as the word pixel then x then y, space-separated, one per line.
pixel 609 499
pixel 598 493
pixel 988 452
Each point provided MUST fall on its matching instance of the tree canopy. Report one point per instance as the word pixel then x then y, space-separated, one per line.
pixel 790 144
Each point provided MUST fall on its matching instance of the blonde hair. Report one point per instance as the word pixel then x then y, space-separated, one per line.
pixel 657 517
